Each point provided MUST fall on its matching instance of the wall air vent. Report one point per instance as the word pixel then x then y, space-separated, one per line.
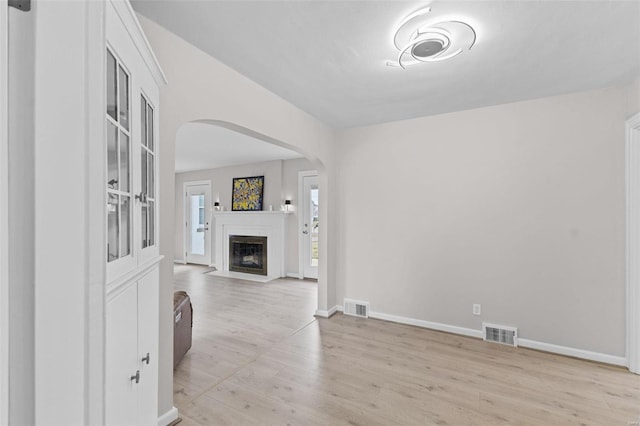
pixel 500 334
pixel 356 308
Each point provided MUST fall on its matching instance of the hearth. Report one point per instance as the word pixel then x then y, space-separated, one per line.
pixel 248 254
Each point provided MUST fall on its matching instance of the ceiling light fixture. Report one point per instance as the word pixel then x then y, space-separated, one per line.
pixel 419 41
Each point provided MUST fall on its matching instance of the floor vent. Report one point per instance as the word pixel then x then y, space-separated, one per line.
pixel 356 308
pixel 500 334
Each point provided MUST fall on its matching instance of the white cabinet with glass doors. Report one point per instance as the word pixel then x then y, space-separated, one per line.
pixel 132 84
pixel 131 169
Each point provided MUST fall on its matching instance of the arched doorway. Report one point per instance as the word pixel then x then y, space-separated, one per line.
pixel 228 145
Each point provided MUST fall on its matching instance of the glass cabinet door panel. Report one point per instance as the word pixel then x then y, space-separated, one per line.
pixel 124 162
pixel 125 223
pixel 113 243
pixel 150 181
pixel 119 153
pixel 151 223
pixel 112 108
pixel 145 233
pixel 112 156
pixel 143 122
pixel 147 174
pixel 143 171
pixel 123 85
pixel 150 127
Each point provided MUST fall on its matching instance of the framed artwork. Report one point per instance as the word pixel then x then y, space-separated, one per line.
pixel 247 193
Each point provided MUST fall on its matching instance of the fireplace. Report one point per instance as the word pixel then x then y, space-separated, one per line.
pixel 248 254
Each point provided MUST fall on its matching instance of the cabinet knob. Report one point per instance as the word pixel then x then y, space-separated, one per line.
pixel 142 197
pixel 147 358
pixel 136 377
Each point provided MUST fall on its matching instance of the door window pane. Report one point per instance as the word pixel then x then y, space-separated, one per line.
pixel 125 223
pixel 124 162
pixel 197 227
pixel 315 223
pixel 124 97
pixel 111 86
pixel 112 156
pixel 113 230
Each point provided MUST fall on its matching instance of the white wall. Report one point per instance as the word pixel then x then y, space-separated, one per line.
pixel 281 182
pixel 519 207
pixel 202 88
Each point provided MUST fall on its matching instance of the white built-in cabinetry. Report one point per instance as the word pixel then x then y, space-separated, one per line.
pixel 132 85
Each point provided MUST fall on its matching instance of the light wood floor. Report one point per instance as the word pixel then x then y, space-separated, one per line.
pixel 260 358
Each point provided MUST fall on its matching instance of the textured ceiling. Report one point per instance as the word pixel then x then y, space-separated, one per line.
pixel 328 57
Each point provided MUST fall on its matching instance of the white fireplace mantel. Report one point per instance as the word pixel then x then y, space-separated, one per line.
pixel 261 224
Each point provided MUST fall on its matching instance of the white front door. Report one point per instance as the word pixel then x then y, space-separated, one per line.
pixel 310 224
pixel 197 215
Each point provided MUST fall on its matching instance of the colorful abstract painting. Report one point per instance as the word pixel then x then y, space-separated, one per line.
pixel 247 193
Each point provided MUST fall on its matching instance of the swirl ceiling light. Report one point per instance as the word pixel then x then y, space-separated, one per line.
pixel 420 40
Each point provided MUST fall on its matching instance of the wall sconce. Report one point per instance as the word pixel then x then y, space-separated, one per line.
pixel 216 206
pixel 287 203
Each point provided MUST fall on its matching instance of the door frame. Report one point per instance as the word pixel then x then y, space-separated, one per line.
pixel 632 147
pixel 185 207
pixel 4 244
pixel 301 176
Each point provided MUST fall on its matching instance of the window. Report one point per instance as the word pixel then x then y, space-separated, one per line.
pixel 119 185
pixel 147 173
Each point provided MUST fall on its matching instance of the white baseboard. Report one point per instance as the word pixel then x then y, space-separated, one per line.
pixel 168 417
pixel 180 261
pixel 294 275
pixel 428 324
pixel 574 352
pixel 327 313
pixel 525 343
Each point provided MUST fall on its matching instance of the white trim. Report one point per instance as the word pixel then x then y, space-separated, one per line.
pixel 4 225
pixel 294 275
pixel 180 261
pixel 469 332
pixel 301 176
pixel 573 352
pixel 130 20
pixel 428 324
pixel 197 182
pixel 632 147
pixel 168 417
pixel 327 314
pixel 96 229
